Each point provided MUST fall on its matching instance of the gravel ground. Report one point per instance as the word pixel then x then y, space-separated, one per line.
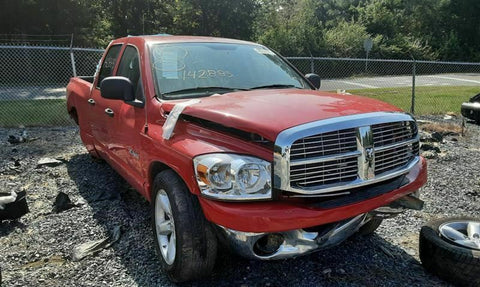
pixel 36 250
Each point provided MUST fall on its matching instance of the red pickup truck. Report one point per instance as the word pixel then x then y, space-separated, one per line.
pixel 233 146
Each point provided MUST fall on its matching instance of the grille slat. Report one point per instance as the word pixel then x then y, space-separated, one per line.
pixel 295 169
pixel 326 172
pixel 340 149
pixel 317 173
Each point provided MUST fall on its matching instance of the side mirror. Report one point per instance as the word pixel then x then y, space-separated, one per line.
pixel 314 79
pixel 117 88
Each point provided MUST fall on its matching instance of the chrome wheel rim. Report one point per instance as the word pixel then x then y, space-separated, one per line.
pixel 463 233
pixel 165 227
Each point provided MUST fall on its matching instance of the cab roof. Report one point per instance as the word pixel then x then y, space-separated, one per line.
pixel 165 38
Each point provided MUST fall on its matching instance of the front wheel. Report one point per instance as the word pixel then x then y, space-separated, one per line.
pixel 184 240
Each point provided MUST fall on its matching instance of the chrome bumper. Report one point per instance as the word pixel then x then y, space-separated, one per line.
pixel 287 244
pixel 291 243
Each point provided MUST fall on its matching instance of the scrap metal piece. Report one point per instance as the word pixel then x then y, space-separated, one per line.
pixel 92 247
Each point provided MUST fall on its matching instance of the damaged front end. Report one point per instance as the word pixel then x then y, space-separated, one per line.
pixel 292 243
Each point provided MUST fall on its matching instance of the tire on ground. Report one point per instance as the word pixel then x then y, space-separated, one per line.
pixel 370 227
pixel 450 262
pixel 196 243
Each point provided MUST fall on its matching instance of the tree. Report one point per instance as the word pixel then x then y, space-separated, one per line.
pixel 231 18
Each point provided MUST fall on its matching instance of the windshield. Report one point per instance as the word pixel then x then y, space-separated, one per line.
pixel 201 69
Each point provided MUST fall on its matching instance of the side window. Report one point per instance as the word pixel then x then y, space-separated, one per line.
pixel 109 63
pixel 129 67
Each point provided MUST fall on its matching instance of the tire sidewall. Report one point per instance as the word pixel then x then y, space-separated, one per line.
pixel 165 265
pixel 432 232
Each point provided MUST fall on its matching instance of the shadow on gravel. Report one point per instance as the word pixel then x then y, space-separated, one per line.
pixel 8 226
pixel 360 261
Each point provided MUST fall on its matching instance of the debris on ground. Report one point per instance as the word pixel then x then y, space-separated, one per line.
pixel 90 248
pixel 18 139
pixel 62 202
pixel 13 205
pixel 51 162
pixel 429 154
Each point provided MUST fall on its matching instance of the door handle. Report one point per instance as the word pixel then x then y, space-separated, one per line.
pixel 109 112
pixel 91 101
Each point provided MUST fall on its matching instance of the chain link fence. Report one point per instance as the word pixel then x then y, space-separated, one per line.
pixel 33 81
pixel 420 87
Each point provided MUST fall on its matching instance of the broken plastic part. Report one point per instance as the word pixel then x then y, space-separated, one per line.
pixel 13 209
pixel 172 118
pixel 6 199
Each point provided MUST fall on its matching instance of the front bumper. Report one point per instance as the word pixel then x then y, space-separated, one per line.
pixel 286 244
pixel 289 244
pixel 279 216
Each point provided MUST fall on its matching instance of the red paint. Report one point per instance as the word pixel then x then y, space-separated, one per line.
pixel 283 216
pixel 131 141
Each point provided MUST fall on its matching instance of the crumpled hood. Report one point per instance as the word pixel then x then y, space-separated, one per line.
pixel 268 112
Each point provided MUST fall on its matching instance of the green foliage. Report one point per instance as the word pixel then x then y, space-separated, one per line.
pixel 427 29
pixel 346 40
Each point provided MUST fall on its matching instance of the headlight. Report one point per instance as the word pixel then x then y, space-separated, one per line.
pixel 233 177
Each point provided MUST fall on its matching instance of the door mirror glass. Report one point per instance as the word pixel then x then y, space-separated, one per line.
pixel 117 88
pixel 314 79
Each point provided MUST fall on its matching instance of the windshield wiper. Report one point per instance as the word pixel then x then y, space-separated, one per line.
pixel 204 91
pixel 275 86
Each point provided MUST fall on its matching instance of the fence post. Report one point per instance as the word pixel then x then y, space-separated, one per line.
pixel 412 108
pixel 312 65
pixel 72 58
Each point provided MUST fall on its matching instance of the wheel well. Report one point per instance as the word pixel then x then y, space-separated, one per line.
pixel 155 169
pixel 73 114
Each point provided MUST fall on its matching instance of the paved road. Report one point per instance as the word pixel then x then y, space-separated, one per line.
pixel 32 92
pixel 471 79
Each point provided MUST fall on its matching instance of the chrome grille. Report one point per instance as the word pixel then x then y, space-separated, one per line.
pixel 389 133
pixel 324 144
pixel 393 158
pixel 328 172
pixel 353 156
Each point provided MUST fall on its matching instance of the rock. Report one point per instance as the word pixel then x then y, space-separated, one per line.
pixel 429 147
pixel 48 162
pixel 425 136
pixel 437 137
pixel 429 154
pixel 15 139
pixel 327 271
pixel 62 203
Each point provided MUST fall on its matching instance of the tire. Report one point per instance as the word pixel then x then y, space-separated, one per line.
pixel 449 261
pixel 194 241
pixel 370 227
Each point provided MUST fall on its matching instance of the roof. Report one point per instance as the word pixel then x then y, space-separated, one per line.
pixel 165 38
